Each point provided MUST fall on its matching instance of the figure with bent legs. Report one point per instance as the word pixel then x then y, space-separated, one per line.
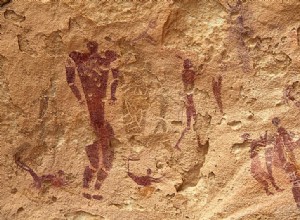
pixel 93 71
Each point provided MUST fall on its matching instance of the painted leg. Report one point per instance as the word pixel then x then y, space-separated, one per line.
pixel 264 183
pixel 107 154
pixel 101 176
pixel 92 152
pixel 87 176
pixel 269 165
pixel 296 194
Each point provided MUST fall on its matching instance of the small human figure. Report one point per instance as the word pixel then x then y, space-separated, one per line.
pixel 289 96
pixel 188 79
pixel 93 71
pixel 257 170
pixel 145 35
pixel 142 180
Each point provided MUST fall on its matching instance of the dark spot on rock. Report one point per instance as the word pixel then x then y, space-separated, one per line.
pixel 21 209
pixel 14 191
pixel 98 197
pixel 4 2
pixel 211 175
pixel 86 195
pixel 107 38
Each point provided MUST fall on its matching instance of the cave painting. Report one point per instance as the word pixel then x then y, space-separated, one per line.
pixel 93 71
pixel 217 86
pixel 264 177
pixel 145 34
pixel 142 180
pixel 238 31
pixel 57 180
pixel 279 151
pixel 188 79
pixel 290 94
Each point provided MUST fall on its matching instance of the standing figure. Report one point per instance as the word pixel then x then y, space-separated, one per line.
pixel 188 79
pixel 258 172
pixel 93 71
pixel 284 146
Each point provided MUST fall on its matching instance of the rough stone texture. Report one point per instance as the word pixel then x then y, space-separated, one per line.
pixel 252 45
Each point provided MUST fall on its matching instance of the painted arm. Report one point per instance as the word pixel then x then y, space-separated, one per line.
pixel 70 76
pixel 114 85
pixel 217 86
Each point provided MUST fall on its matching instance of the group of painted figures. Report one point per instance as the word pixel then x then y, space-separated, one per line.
pixel 93 71
pixel 279 152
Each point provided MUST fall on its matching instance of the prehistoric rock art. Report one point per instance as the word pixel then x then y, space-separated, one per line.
pixel 188 79
pixel 145 35
pixel 238 31
pixel 249 52
pixel 290 93
pixel 93 71
pixel 142 180
pixel 56 180
pixel 284 146
pixel 262 176
pixel 217 86
pixel 280 154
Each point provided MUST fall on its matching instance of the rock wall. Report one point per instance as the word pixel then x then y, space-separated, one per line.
pixel 171 109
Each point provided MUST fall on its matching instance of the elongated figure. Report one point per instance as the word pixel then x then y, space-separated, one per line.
pixel 93 71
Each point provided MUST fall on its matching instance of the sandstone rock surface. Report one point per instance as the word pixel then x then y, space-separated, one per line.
pixel 212 76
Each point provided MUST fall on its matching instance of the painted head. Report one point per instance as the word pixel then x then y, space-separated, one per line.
pixel 152 24
pixel 111 55
pixel 149 171
pixel 276 121
pixel 187 63
pixel 246 137
pixel 92 46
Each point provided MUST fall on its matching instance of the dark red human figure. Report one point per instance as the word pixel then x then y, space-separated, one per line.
pixel 261 175
pixel 56 180
pixel 217 86
pixel 142 180
pixel 93 71
pixel 284 146
pixel 188 79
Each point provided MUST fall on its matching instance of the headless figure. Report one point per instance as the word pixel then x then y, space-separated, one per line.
pixel 257 170
pixel 145 35
pixel 284 146
pixel 188 79
pixel 142 180
pixel 93 71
